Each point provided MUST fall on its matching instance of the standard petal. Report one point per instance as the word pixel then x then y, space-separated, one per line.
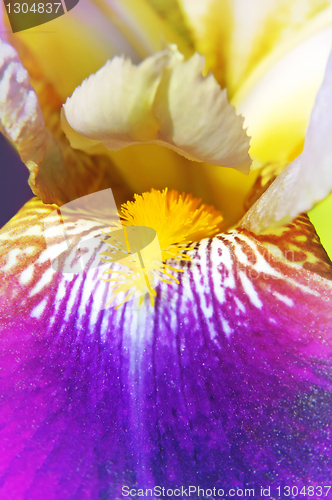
pixel 225 383
pixel 80 42
pixel 271 55
pixel 163 101
pixel 170 10
pixel 197 120
pixel 235 36
pixel 279 96
pixel 308 179
pixel 73 46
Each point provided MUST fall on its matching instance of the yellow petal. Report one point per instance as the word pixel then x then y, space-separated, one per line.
pixel 278 98
pixel 149 166
pixel 114 106
pixel 77 44
pixel 235 35
pixel 196 119
pixel 321 216
pixel 170 10
pixel 163 101
pixel 264 26
pixel 271 55
pixel 211 23
pixel 146 31
pixel 308 179
pixel 73 46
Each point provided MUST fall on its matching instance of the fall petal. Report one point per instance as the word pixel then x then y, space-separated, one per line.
pixel 308 179
pixel 123 105
pixel 225 382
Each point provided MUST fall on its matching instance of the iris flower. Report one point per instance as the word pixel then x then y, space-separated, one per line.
pixel 224 380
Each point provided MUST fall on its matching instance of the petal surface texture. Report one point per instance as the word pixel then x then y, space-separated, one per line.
pixel 235 36
pixel 226 382
pixel 271 56
pixel 164 101
pixel 308 179
pixel 21 119
pixel 58 174
pixel 78 44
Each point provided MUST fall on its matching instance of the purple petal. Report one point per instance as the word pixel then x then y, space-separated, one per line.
pixel 226 383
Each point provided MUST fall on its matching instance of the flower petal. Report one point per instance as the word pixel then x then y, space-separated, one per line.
pixel 73 46
pixel 123 105
pixel 235 36
pixel 271 55
pixel 320 217
pixel 284 87
pixel 81 41
pixel 226 383
pixel 170 10
pixel 57 173
pixel 67 174
pixel 308 179
pixel 20 115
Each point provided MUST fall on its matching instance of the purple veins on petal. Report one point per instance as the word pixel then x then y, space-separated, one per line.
pixel 226 380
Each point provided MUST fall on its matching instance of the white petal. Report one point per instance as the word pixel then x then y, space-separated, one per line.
pixel 308 179
pixel 114 105
pixel 163 101
pixel 198 120
pixel 21 119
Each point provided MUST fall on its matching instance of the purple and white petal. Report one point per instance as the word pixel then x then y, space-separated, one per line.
pixel 225 383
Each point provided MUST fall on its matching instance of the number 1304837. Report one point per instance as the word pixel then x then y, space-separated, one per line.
pixel 24 8
pixel 27 14
pixel 305 492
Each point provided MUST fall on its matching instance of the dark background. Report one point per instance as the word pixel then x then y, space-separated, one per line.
pixel 14 188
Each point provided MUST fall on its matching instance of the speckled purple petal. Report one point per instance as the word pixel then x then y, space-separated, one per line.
pixel 226 383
